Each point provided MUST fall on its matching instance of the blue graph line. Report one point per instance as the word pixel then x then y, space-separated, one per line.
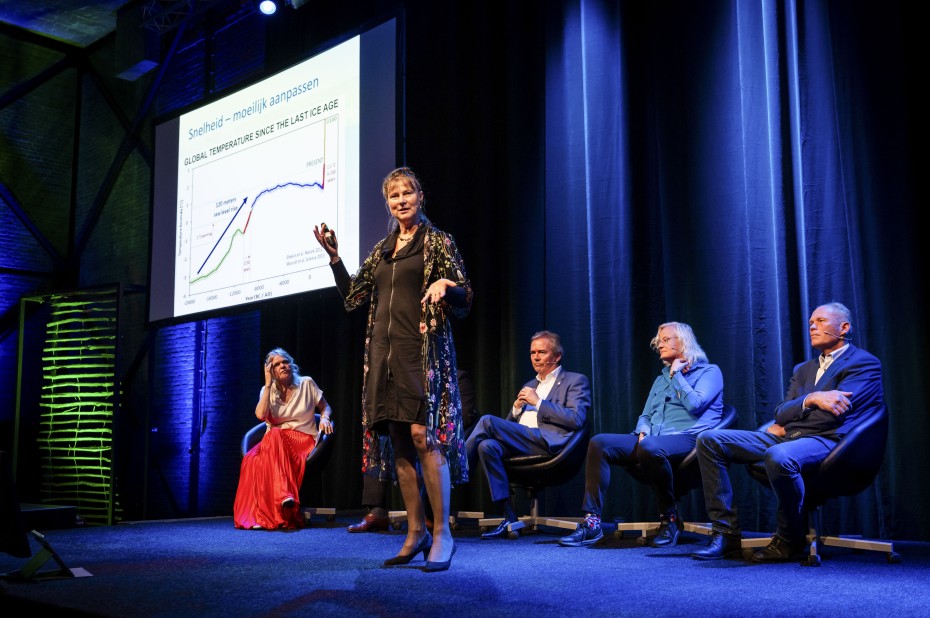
pixel 246 199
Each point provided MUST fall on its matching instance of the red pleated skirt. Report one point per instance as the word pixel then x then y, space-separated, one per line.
pixel 271 473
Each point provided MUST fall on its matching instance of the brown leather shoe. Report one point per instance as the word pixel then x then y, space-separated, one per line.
pixel 371 523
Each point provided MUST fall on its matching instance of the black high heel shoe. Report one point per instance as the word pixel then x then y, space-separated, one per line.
pixel 425 544
pixel 440 566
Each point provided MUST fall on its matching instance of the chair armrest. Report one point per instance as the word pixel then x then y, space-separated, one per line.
pixel 550 469
pixel 252 437
pixel 323 440
pixel 856 459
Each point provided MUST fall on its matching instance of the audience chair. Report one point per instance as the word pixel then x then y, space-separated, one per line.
pixel 315 459
pixel 533 474
pixel 687 478
pixel 850 468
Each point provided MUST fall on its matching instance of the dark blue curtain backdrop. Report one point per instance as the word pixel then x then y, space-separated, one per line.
pixel 732 165
pixel 604 166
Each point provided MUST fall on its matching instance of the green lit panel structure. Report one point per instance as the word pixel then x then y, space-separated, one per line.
pixel 77 403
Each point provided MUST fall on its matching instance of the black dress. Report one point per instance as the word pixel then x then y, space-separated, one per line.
pixel 395 380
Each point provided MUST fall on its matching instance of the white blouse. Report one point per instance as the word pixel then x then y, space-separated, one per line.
pixel 299 413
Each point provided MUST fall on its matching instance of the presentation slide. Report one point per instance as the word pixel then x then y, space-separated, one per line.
pixel 243 180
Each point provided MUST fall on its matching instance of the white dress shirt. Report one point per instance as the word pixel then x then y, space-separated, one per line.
pixel 826 360
pixel 527 416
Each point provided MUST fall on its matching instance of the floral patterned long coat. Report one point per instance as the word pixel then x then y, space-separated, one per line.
pixel 441 260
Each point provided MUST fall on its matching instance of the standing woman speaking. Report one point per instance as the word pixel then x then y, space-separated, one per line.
pixel 413 280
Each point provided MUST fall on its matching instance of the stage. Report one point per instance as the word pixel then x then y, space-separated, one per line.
pixel 205 567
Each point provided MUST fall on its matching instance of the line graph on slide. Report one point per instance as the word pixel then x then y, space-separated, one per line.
pixel 229 238
pixel 247 233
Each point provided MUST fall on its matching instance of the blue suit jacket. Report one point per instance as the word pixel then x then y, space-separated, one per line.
pixel 564 411
pixel 855 371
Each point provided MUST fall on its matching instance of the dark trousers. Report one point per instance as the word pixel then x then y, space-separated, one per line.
pixel 785 463
pixel 375 492
pixel 494 439
pixel 656 456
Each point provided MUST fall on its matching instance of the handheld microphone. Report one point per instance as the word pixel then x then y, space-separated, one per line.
pixel 835 335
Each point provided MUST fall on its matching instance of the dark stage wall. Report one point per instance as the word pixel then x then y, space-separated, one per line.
pixel 603 166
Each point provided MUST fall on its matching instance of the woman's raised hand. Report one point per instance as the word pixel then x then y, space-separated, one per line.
pixel 268 376
pixel 327 239
pixel 680 364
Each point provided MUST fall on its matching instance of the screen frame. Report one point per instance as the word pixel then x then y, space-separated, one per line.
pixel 368 182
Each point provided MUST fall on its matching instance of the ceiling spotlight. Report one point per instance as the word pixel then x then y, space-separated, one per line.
pixel 268 7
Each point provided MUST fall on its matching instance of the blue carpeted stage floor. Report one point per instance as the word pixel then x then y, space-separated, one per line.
pixel 205 567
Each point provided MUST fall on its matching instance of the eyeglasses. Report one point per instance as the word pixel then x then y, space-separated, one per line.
pixel 665 340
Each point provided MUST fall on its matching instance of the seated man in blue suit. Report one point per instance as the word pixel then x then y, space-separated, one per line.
pixel 545 414
pixel 827 397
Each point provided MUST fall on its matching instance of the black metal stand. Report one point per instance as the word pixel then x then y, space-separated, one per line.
pixel 31 572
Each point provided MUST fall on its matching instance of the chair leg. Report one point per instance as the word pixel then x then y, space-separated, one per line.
pixel 513 530
pixel 884 547
pixel 817 542
pixel 856 543
pixel 309 512
pixel 486 523
pixel 535 520
pixel 458 520
pixel 643 527
pixel 396 519
pixel 814 524
pixel 696 528
pixel 648 528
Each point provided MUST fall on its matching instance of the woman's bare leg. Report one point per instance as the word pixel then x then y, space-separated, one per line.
pixel 405 460
pixel 436 479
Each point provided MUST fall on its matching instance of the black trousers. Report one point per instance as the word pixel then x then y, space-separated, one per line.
pixel 657 456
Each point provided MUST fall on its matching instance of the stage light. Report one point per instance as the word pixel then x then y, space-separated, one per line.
pixel 270 7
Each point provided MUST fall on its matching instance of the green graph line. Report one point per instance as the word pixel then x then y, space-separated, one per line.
pixel 238 232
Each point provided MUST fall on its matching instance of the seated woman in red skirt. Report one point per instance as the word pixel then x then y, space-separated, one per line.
pixel 272 471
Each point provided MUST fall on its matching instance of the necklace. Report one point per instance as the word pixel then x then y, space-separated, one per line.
pixel 403 238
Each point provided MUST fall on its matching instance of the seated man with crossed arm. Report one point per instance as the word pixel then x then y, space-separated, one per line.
pixel 827 397
pixel 546 413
